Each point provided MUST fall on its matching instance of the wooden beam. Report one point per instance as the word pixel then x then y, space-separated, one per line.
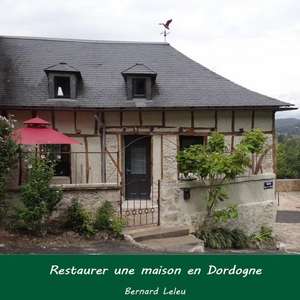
pixel 75 121
pixel 87 169
pixel 121 119
pixel 96 125
pixel 192 119
pixel 161 157
pixel 114 162
pixel 102 133
pixel 252 119
pixel 118 157
pixel 122 167
pixel 216 120
pixel 140 118
pixel 232 128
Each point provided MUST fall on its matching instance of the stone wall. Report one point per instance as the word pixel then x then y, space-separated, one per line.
pixel 256 205
pixel 169 162
pixel 91 196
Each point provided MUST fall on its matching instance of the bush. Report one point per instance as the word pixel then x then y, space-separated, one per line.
pixel 79 220
pixel 107 220
pixel 240 239
pixel 8 158
pixel 38 198
pixel 104 216
pixel 221 238
pixel 226 214
pixel 117 226
pixel 264 238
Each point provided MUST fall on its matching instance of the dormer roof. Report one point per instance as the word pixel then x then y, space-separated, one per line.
pixel 61 67
pixel 139 69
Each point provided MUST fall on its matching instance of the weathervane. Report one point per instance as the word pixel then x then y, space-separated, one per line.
pixel 166 28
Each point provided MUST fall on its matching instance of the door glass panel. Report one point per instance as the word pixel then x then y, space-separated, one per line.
pixel 138 160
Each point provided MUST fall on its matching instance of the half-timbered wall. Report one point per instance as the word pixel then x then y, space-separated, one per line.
pixel 165 127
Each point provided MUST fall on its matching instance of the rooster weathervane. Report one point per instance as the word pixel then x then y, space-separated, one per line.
pixel 166 28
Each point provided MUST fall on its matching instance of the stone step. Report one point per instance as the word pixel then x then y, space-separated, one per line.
pixel 156 232
pixel 187 243
pixel 172 243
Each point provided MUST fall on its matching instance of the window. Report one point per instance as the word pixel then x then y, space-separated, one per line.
pixel 139 87
pixel 138 160
pixel 61 154
pixel 187 141
pixel 62 87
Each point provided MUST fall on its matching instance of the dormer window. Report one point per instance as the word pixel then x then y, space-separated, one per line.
pixel 139 87
pixel 140 80
pixel 62 87
pixel 63 81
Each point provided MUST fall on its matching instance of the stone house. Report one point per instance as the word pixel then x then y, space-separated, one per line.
pixel 133 106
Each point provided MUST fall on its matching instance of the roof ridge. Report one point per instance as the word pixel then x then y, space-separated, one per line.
pixel 81 40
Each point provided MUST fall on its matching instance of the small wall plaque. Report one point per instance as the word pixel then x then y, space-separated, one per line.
pixel 268 185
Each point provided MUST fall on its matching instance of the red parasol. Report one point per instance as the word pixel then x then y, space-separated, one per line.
pixel 37 132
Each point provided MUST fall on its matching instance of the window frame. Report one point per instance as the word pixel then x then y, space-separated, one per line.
pixel 135 87
pixel 148 87
pixel 204 141
pixel 182 136
pixel 65 159
pixel 73 84
pixel 56 86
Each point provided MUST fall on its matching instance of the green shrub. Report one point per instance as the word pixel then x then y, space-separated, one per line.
pixel 216 238
pixel 107 220
pixel 104 216
pixel 79 220
pixel 221 238
pixel 38 198
pixel 239 239
pixel 8 158
pixel 264 238
pixel 117 226
pixel 226 214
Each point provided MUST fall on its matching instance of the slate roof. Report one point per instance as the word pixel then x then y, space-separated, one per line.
pixel 180 82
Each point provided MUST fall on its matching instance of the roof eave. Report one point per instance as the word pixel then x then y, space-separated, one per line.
pixel 61 107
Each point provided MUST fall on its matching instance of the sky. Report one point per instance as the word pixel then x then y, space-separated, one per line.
pixel 255 43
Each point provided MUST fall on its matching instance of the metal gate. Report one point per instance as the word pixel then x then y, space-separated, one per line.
pixel 142 212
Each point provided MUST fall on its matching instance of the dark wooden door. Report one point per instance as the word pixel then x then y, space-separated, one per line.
pixel 137 167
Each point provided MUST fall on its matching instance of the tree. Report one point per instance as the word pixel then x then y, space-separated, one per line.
pixel 255 142
pixel 39 199
pixel 288 157
pixel 8 158
pixel 214 165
